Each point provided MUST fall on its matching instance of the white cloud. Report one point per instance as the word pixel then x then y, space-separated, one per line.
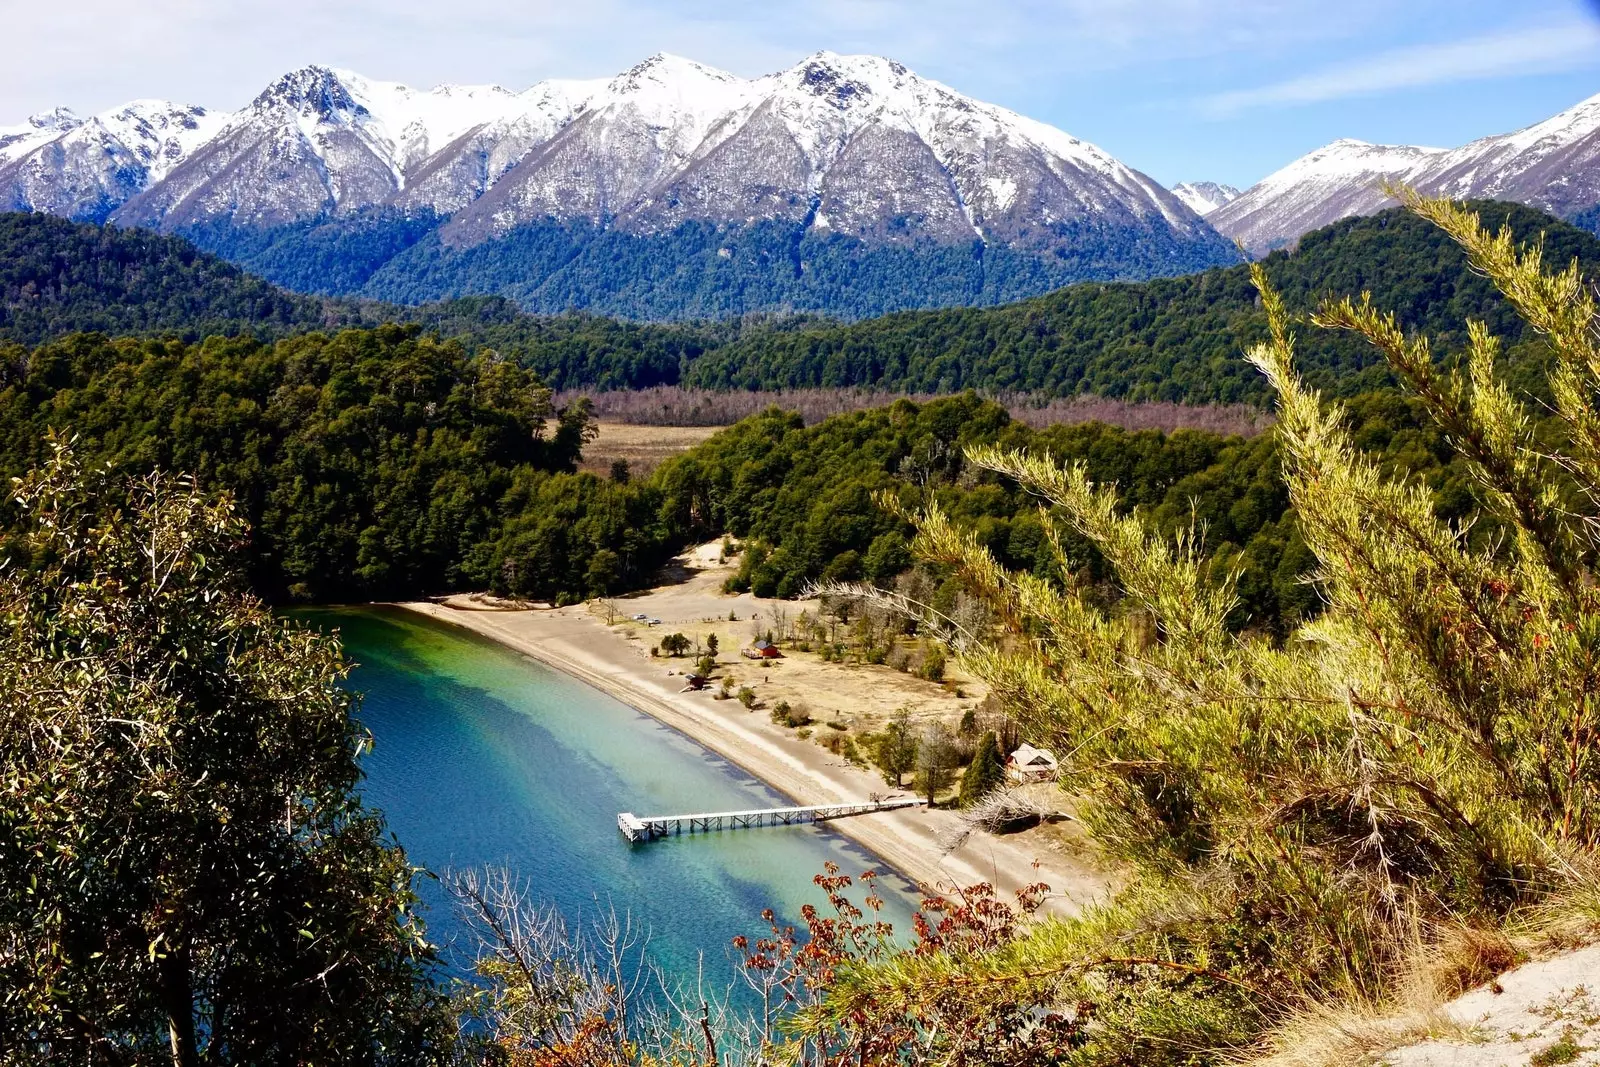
pixel 1552 48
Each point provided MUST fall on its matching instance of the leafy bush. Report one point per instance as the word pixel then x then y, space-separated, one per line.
pixel 1420 757
pixel 180 772
pixel 786 715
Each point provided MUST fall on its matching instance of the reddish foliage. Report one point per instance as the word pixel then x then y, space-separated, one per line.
pixel 949 1022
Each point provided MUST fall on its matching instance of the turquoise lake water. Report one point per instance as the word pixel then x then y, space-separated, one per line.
pixel 485 756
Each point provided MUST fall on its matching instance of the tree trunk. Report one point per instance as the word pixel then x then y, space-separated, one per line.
pixel 178 993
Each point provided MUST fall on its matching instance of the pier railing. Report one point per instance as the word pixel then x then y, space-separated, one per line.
pixel 649 827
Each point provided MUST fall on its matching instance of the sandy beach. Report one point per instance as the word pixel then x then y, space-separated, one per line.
pixel 614 659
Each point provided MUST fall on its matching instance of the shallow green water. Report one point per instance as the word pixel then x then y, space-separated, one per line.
pixel 485 756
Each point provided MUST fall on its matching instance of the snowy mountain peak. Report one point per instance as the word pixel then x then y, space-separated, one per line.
pixel 840 81
pixel 160 133
pixel 315 92
pixel 1553 165
pixel 61 118
pixel 856 145
pixel 1205 197
pixel 665 70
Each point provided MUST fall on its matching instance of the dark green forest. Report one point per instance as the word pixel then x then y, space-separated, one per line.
pixel 695 271
pixel 59 277
pixel 803 497
pixel 1175 339
pixel 368 464
pixel 407 459
pixel 383 463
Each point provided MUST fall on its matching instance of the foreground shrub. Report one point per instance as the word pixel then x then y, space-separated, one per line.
pixel 189 874
pixel 1295 814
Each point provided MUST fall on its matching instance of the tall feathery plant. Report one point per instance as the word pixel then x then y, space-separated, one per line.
pixel 1292 816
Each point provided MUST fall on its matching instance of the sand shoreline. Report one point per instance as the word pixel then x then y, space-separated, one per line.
pixel 572 641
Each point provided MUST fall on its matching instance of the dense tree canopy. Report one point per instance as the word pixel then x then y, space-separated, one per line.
pixel 697 270
pixel 383 463
pixel 190 877
pixel 369 463
pixel 1170 339
pixel 803 497
pixel 59 277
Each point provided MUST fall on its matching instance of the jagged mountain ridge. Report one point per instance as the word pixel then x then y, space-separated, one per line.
pixel 670 153
pixel 849 144
pixel 1205 197
pixel 83 168
pixel 852 144
pixel 1552 165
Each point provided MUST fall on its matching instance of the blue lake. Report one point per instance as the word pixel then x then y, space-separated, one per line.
pixel 485 756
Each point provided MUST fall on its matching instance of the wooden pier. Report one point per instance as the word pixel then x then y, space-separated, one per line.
pixel 649 827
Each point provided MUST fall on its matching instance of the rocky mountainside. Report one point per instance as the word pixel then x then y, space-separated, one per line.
pixel 83 168
pixel 1205 197
pixel 1553 165
pixel 943 198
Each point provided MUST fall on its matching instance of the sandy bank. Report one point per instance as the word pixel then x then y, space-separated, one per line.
pixel 574 641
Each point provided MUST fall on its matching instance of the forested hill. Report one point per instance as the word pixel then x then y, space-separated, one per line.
pixel 59 277
pixel 1172 339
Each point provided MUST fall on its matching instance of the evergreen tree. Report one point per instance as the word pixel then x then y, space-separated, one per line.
pixel 986 771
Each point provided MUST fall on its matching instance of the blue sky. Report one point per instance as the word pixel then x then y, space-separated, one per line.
pixel 1182 89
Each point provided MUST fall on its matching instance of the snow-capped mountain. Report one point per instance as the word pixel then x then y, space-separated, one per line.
pixel 1335 181
pixel 1205 197
pixel 1553 165
pixel 82 168
pixel 849 144
pixel 315 142
pixel 852 147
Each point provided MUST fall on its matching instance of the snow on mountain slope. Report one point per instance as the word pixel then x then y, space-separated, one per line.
pixel 317 141
pixel 1553 165
pixel 17 141
pixel 853 145
pixel 1205 197
pixel 1335 181
pixel 83 168
pixel 463 169
pixel 856 144
pixel 624 138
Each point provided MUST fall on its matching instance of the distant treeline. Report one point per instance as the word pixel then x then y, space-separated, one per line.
pixel 802 496
pixel 1173 340
pixel 674 405
pixel 695 270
